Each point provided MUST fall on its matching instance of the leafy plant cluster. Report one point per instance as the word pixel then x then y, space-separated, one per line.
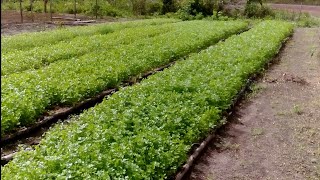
pixel 27 41
pixel 195 9
pixel 145 131
pixel 26 95
pixel 256 10
pixel 17 61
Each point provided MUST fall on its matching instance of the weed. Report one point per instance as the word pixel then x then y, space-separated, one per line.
pixel 297 110
pixel 257 88
pixel 227 145
pixel 282 113
pixel 257 131
pixel 313 50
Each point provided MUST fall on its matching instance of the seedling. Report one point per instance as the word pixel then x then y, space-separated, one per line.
pixel 297 110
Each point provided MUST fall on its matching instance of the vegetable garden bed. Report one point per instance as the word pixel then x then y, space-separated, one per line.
pixel 17 61
pixel 145 131
pixel 62 113
pixel 27 41
pixel 26 95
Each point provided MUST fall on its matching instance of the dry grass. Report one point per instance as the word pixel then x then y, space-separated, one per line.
pixel 304 2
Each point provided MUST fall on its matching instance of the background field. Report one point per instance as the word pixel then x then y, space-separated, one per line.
pixel 305 2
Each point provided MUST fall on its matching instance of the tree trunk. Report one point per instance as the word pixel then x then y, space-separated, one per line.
pixel 45 2
pixel 21 16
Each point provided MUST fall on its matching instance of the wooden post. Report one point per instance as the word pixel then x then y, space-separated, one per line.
pixel 50 9
pixel 21 16
pixel 75 9
pixel 96 9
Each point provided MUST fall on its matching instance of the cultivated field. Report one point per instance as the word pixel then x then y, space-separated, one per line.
pixel 145 130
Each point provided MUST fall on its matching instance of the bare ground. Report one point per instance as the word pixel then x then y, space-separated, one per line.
pixel 275 133
pixel 11 21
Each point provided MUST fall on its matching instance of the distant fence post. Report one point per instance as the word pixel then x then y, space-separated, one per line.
pixel 21 16
pixel 75 8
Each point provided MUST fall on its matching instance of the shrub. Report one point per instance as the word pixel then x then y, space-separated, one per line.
pixel 168 6
pixel 194 9
pixel 154 7
pixel 257 11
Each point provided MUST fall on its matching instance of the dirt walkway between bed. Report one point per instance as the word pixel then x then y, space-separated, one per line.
pixel 11 21
pixel 275 133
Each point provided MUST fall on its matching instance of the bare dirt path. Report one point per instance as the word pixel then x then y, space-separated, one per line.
pixel 312 10
pixel 275 133
pixel 11 21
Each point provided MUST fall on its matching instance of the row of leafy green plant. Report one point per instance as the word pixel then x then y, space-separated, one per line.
pixel 26 95
pixel 27 41
pixel 17 61
pixel 145 131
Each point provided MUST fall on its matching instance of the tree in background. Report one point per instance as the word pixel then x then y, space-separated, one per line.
pixel 139 7
pixel 168 6
pixel 218 7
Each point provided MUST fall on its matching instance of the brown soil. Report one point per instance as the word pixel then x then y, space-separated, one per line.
pixel 12 16
pixel 275 133
pixel 11 21
pixel 312 10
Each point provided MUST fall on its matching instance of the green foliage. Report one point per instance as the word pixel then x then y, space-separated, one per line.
pixel 154 8
pixel 306 21
pixel 194 9
pixel 168 6
pixel 27 94
pixel 89 7
pixel 220 16
pixel 27 41
pixel 17 61
pixel 145 131
pixel 300 19
pixel 255 10
pixel 139 7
